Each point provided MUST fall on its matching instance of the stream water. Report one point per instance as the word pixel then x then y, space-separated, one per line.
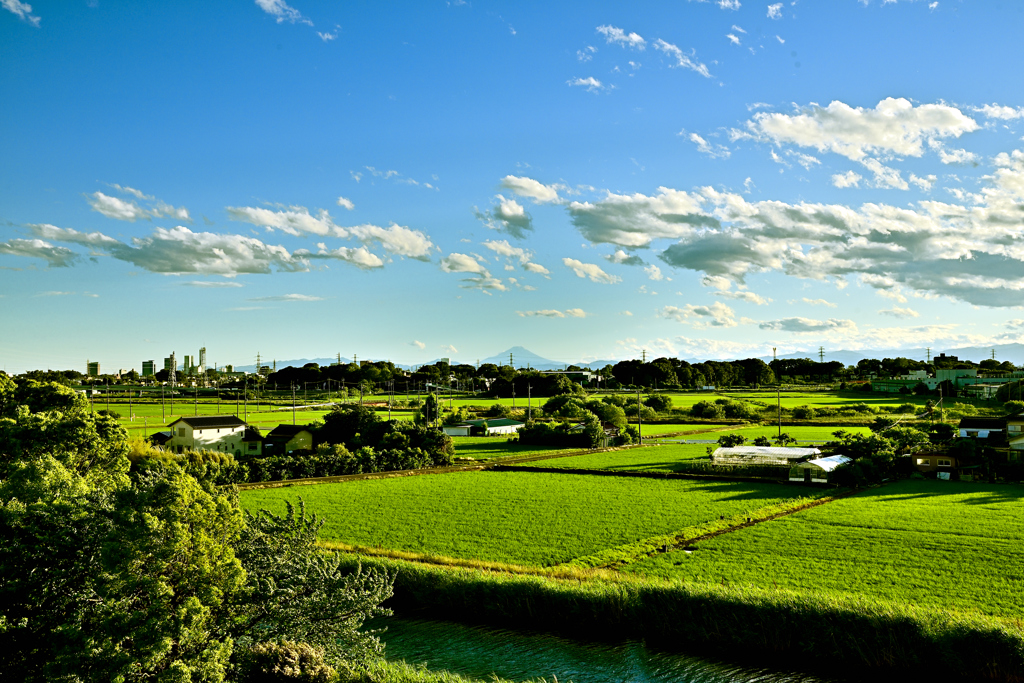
pixel 480 652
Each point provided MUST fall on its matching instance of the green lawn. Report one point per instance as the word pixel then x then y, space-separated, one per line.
pixel 496 448
pixel 662 458
pixel 941 544
pixel 517 517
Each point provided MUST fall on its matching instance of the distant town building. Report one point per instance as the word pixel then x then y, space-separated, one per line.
pixel 93 369
pixel 148 368
pixel 187 364
pixel 169 363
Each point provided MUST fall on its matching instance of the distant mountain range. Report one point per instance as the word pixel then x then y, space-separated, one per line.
pixel 522 357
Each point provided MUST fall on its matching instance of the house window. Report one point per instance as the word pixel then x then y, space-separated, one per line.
pixel 181 431
pixel 924 461
pixel 945 462
pixel 252 446
pixel 1013 428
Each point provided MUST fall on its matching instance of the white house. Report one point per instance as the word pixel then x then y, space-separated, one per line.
pixel 208 432
pixel 495 426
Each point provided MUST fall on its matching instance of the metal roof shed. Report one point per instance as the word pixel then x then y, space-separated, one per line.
pixel 816 471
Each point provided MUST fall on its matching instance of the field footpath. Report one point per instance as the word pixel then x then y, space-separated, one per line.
pixel 683 543
pixel 424 470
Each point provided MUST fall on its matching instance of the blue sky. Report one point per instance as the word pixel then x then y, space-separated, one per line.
pixel 411 180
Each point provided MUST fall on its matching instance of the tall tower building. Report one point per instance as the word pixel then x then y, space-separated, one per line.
pixel 92 368
pixel 171 373
pixel 148 368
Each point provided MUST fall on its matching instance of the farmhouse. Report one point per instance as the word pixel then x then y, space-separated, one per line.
pixel 210 432
pixel 284 439
pixel 495 426
pixel 816 471
pixel 761 455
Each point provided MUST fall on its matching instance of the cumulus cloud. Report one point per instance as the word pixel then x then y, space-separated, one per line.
pixel 590 270
pixel 848 179
pixel 900 312
pixel 715 315
pixel 619 37
pixel 654 273
pixel 682 59
pixel 895 127
pixel 533 189
pixel 418 344
pixel 346 203
pixel 52 232
pixel 775 11
pixel 536 268
pixel 129 210
pixel 55 257
pixel 282 12
pixel 625 259
pixel 635 220
pixel 395 239
pixel 22 10
pixel 360 257
pixel 293 220
pixel 462 263
pixel 744 295
pixel 819 302
pixel 590 83
pixel 508 216
pixel 212 284
pixel 807 325
pixel 995 111
pixel 288 298
pixel 523 256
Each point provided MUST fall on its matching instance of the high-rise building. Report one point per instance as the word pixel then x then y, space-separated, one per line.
pixel 169 363
pixel 186 364
pixel 93 368
pixel 148 368
pixel 202 359
pixel 171 373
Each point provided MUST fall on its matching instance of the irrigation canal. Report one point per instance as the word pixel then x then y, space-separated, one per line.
pixel 480 652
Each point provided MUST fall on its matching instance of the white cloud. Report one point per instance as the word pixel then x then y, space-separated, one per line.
pixel 179 250
pixel 715 315
pixel 361 257
pixel 590 270
pixel 654 272
pixel 576 313
pixel 733 39
pixel 623 258
pixel 956 157
pixel 848 179
pixel 282 12
pixel 807 325
pixel 590 83
pixel 112 207
pixel 508 216
pixel 899 312
pixel 682 60
pixel 744 295
pixel 22 10
pixel 628 314
pixel 327 37
pixel 586 54
pixel 893 127
pixel 462 263
pixel 780 39
pixel 294 220
pixel 924 183
pixel 212 284
pixel 347 203
pixel 449 348
pixel 619 37
pixel 536 268
pixel 288 298
pixel 395 239
pixel 995 111
pixel 819 302
pixel 55 257
pixel 546 313
pixel 729 4
pixel 635 220
pixel 52 232
pixel 775 11
pixel 713 151
pixel 528 187
pixel 418 344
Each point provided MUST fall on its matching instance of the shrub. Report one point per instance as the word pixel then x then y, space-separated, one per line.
pixel 285 661
pixel 708 410
pixel 731 440
pixel 658 402
pixel 804 413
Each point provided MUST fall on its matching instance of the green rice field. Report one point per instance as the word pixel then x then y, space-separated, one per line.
pixel 938 544
pixel 662 458
pixel 495 448
pixel 515 517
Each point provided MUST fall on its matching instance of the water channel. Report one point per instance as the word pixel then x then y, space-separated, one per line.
pixel 480 652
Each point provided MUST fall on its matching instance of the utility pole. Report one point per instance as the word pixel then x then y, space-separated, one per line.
pixel 643 355
pixel 928 355
pixel 245 403
pixel 529 404
pixel 778 394
pixel 639 418
pixel 293 404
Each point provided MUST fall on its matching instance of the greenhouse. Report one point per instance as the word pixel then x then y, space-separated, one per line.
pixel 761 455
pixel 816 471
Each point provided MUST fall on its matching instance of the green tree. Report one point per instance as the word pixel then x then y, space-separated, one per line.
pixel 731 440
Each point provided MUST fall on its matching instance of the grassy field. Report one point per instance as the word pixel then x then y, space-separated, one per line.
pixel 938 544
pixel 803 433
pixel 517 517
pixel 496 448
pixel 662 458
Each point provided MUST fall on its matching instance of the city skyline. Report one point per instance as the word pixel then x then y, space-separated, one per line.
pixel 450 179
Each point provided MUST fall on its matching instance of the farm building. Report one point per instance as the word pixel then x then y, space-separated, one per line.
pixel 816 471
pixel 210 432
pixel 284 439
pixel 761 455
pixel 495 426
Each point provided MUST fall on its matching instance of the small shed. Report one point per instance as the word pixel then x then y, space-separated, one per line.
pixel 816 471
pixel 495 426
pixel 761 455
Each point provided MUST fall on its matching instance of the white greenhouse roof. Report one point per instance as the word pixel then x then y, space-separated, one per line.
pixel 778 452
pixel 828 463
